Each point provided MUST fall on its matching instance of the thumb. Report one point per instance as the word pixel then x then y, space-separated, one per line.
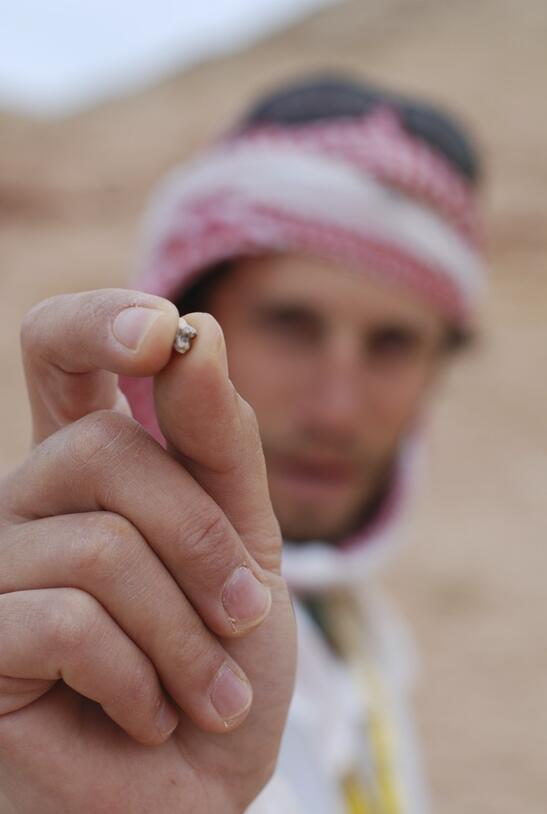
pixel 73 346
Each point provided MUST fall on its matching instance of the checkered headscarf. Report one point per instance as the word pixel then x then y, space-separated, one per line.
pixel 360 190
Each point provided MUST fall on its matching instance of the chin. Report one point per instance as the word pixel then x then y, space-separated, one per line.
pixel 309 520
pixel 311 525
pixel 308 511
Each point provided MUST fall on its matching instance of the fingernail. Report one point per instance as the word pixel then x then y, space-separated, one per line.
pixel 132 324
pixel 245 599
pixel 166 719
pixel 230 694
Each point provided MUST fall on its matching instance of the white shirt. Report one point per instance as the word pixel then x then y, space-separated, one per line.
pixel 326 733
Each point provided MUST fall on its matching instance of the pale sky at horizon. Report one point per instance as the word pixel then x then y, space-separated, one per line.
pixel 62 55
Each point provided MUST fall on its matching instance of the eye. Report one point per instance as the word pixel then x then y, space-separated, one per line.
pixel 393 343
pixel 296 325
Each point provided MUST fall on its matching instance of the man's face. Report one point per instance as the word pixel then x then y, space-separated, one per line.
pixel 337 367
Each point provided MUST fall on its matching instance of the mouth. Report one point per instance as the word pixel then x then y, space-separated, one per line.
pixel 313 479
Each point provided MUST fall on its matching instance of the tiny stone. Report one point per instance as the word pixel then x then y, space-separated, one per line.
pixel 184 336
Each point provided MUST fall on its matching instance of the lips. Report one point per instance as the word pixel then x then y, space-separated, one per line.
pixel 314 477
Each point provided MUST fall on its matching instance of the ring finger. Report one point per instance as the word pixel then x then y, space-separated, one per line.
pixel 103 554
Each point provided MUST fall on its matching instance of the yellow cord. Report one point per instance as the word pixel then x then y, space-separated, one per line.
pixel 386 795
pixel 355 796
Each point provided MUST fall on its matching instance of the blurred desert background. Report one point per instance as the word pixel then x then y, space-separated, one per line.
pixel 472 583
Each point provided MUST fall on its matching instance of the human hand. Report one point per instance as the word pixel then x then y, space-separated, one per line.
pixel 118 562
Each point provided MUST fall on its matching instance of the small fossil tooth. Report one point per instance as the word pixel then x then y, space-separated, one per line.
pixel 184 336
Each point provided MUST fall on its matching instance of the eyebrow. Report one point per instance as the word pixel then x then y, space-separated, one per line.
pixel 391 328
pixel 281 307
pixel 288 310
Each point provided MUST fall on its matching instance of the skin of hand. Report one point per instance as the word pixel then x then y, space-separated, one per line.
pixel 147 639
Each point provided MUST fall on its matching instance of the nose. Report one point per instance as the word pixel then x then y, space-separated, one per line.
pixel 336 395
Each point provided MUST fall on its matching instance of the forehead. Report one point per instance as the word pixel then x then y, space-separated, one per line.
pixel 326 287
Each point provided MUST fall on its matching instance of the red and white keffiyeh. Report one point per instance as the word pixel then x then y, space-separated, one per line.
pixel 361 191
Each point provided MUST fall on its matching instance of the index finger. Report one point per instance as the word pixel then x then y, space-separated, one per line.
pixel 214 433
pixel 73 346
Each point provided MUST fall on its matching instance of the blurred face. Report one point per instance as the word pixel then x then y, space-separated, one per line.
pixel 337 367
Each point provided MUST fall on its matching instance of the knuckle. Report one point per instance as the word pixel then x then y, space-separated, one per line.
pixel 141 687
pixel 104 547
pixel 198 657
pixel 34 332
pixel 70 619
pixel 248 413
pixel 206 541
pixel 99 434
pixel 103 427
pixel 31 326
pixel 250 423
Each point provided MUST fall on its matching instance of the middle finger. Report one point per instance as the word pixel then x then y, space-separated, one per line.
pixel 106 461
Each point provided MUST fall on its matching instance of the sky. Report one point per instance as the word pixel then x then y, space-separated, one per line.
pixel 57 56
